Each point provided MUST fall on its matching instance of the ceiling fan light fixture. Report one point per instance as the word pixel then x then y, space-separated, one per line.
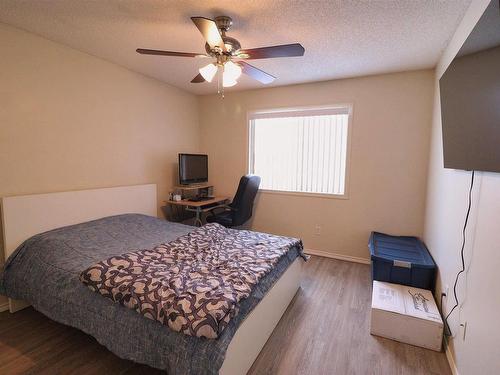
pixel 230 74
pixel 232 71
pixel 228 82
pixel 208 72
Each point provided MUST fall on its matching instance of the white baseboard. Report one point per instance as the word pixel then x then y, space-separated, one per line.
pixel 449 357
pixel 4 307
pixel 327 254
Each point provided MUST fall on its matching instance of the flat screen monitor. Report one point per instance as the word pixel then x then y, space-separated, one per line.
pixel 193 168
pixel 470 99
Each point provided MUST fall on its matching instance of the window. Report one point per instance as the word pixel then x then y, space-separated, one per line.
pixel 302 151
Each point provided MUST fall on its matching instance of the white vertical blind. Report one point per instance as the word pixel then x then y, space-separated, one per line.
pixel 300 152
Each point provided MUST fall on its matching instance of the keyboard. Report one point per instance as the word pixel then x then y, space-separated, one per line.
pixel 200 199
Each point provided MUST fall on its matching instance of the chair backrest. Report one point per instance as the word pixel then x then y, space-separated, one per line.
pixel 244 198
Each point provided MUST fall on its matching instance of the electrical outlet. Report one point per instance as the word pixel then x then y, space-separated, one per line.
pixel 444 297
pixel 463 330
pixel 317 231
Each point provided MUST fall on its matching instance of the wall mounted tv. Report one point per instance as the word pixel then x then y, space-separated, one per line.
pixel 470 99
pixel 193 168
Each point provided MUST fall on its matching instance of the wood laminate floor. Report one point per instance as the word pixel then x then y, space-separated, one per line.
pixel 324 331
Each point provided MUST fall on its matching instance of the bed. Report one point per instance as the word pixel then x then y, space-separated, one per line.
pixel 45 271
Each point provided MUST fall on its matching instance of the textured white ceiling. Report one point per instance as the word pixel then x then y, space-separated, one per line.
pixel 341 38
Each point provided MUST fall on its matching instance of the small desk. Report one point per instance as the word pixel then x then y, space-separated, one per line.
pixel 201 206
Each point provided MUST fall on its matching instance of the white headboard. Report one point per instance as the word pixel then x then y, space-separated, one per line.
pixel 27 215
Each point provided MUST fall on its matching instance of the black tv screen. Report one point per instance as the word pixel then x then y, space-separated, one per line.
pixel 193 168
pixel 470 99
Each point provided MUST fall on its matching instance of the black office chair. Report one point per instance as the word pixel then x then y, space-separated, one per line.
pixel 239 211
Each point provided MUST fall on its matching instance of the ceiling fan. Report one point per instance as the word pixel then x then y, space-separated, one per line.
pixel 228 54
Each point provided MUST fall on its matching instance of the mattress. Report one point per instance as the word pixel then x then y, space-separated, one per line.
pixel 45 271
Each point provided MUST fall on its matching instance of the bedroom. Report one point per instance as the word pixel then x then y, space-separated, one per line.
pixel 80 110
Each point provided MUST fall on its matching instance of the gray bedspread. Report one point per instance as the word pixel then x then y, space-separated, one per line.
pixel 45 271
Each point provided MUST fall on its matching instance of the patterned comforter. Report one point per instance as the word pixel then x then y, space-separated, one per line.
pixel 194 283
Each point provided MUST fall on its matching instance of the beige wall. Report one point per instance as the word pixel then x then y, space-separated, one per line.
pixel 389 156
pixel 72 121
pixel 445 214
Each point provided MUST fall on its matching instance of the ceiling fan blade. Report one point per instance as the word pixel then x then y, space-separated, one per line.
pixel 256 73
pixel 284 50
pixel 198 79
pixel 168 53
pixel 208 28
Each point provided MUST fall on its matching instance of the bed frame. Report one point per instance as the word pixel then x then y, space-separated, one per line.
pixel 25 216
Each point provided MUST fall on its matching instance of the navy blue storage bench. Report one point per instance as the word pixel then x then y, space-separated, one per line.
pixel 401 260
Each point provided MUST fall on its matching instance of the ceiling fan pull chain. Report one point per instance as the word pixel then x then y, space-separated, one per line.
pixel 218 81
pixel 220 86
pixel 221 80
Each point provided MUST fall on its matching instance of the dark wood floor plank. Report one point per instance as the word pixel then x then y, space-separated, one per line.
pixel 325 330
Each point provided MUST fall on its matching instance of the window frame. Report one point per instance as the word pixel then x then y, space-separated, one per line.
pixel 301 111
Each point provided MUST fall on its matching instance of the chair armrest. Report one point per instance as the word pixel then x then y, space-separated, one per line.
pixel 225 207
